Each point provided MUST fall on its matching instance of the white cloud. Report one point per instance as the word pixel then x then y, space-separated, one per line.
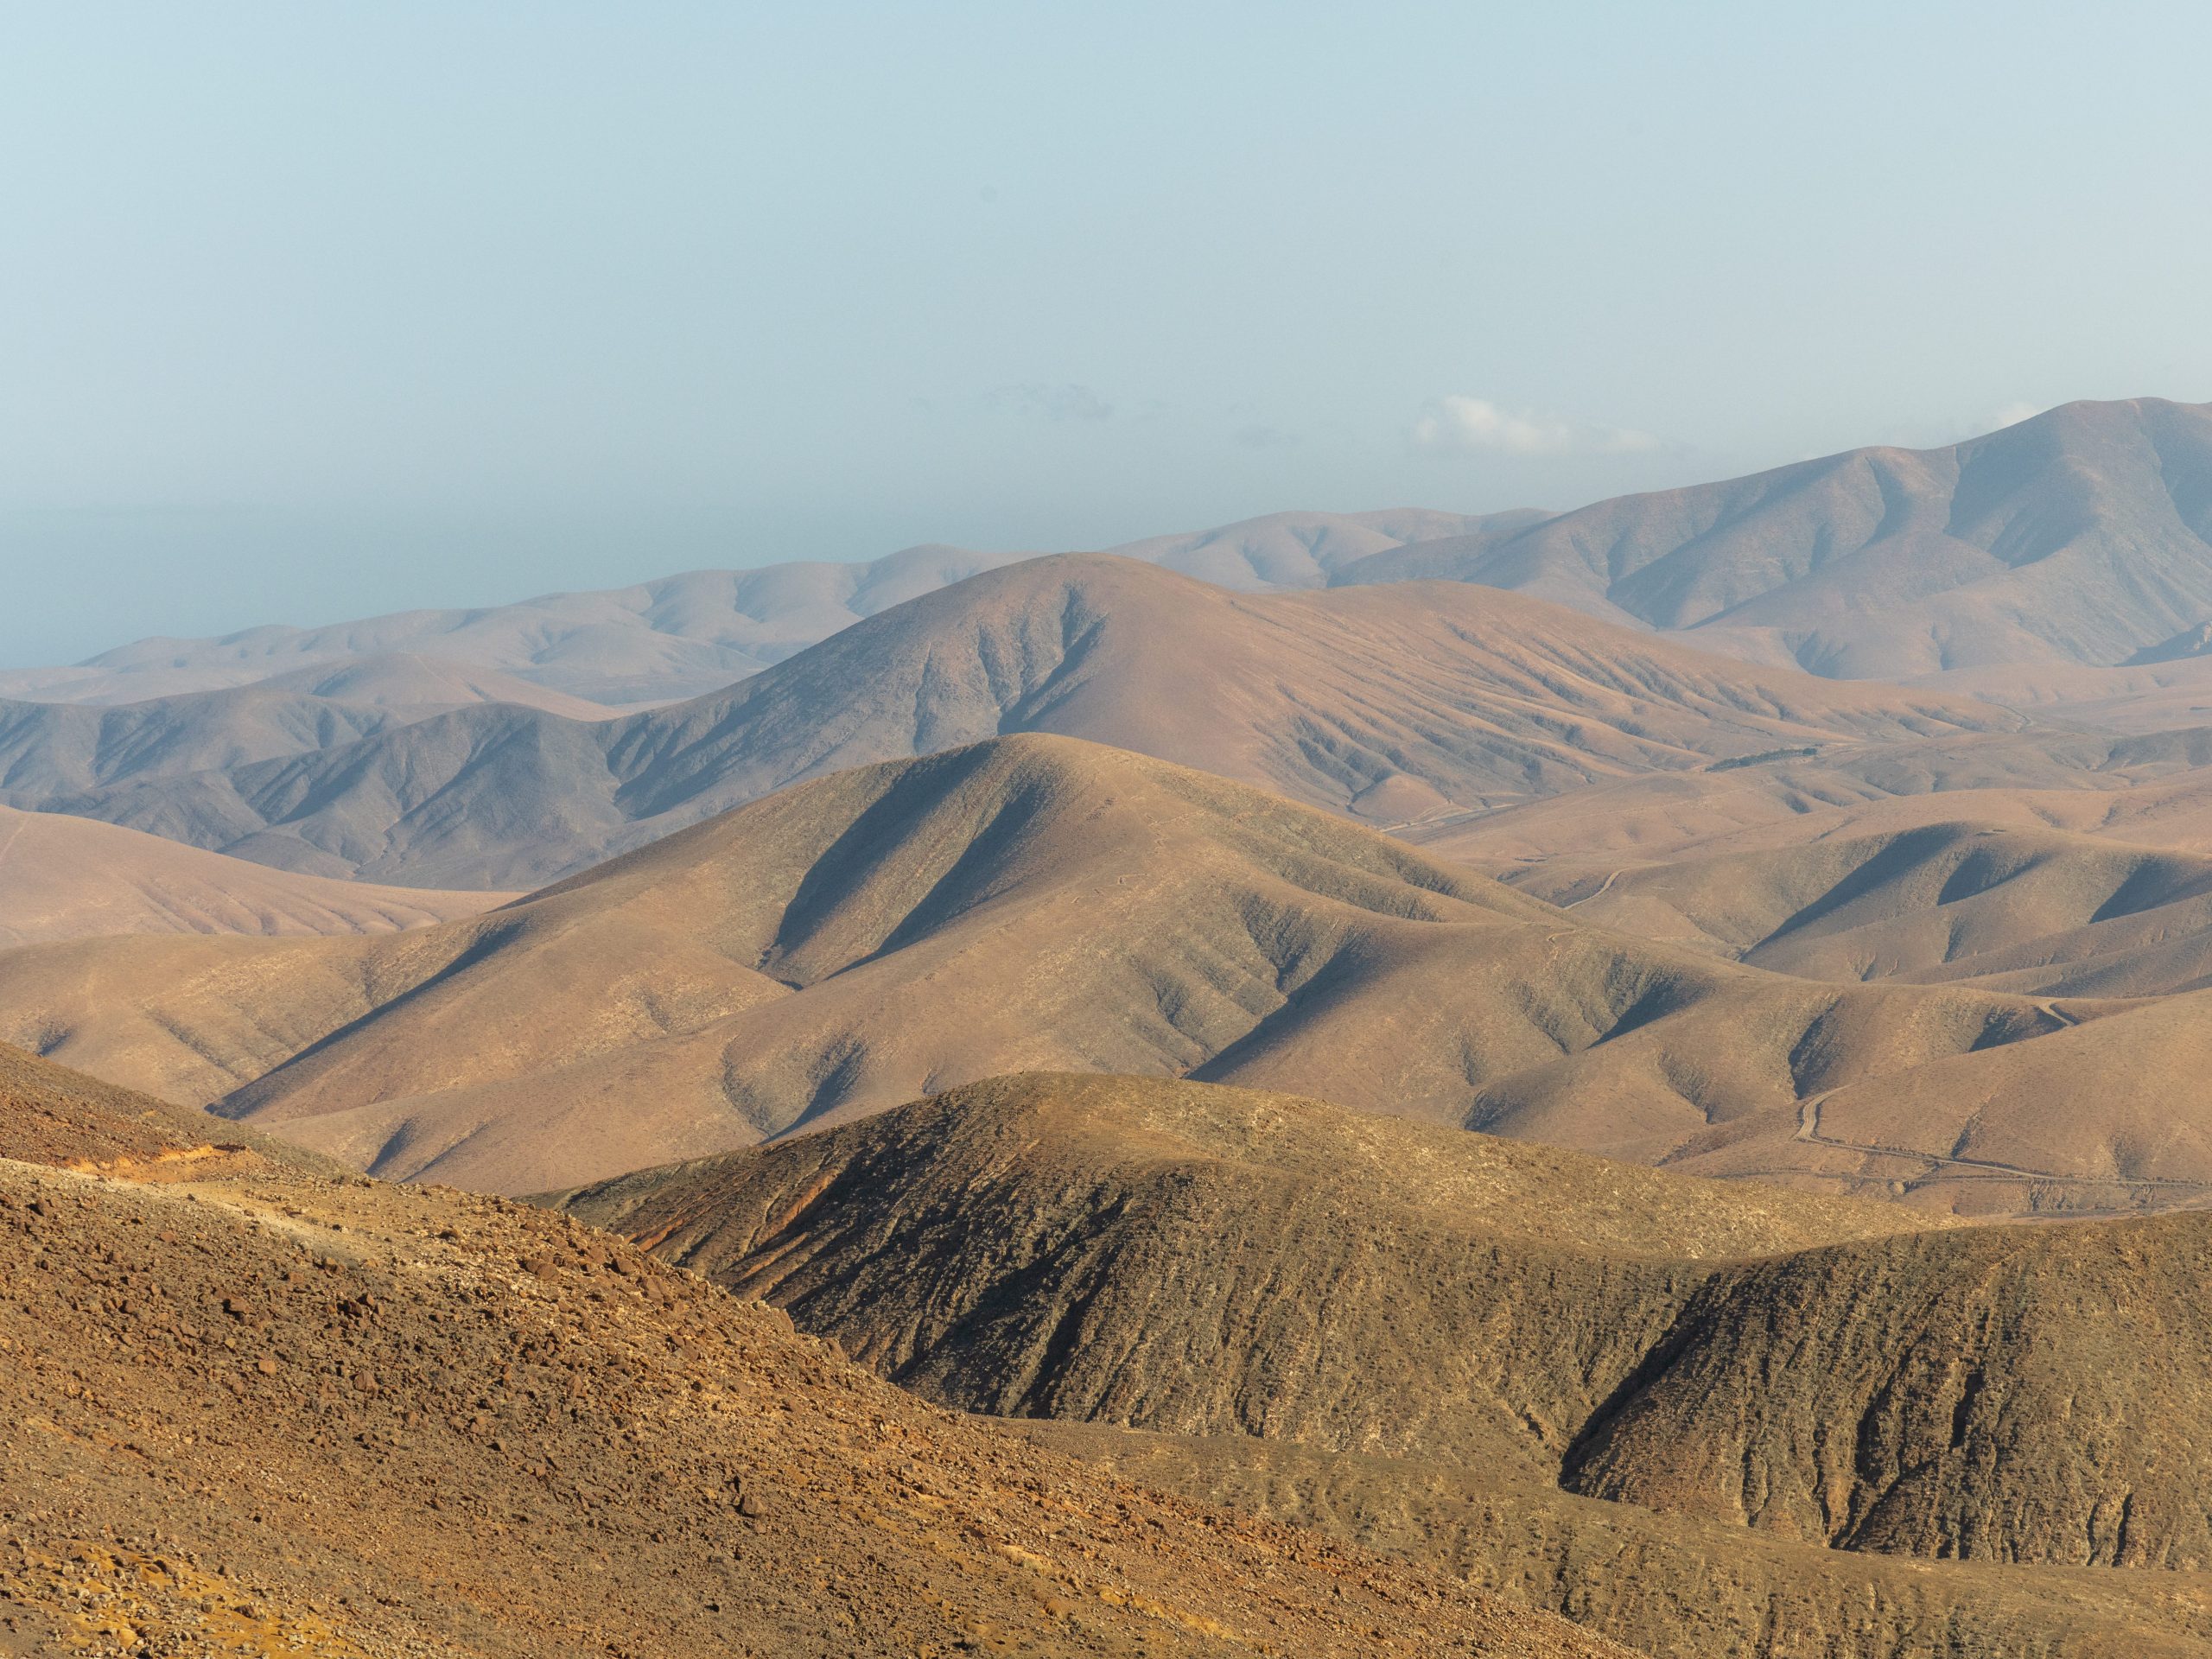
pixel 1475 426
pixel 2010 414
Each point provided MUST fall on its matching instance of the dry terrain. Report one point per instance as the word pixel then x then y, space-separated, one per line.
pixel 2059 568
pixel 65 877
pixel 50 750
pixel 2077 538
pixel 1391 703
pixel 1202 1260
pixel 253 1405
pixel 2040 912
pixel 2082 536
pixel 1036 902
pixel 681 636
pixel 2147 790
pixel 1275 1096
pixel 1449 1346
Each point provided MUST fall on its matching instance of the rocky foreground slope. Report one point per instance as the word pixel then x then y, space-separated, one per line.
pixel 250 1405
pixel 1450 1345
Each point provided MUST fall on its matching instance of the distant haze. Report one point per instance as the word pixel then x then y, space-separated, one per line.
pixel 312 313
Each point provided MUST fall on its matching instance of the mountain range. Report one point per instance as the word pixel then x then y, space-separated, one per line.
pixel 684 635
pixel 2083 535
pixel 2079 536
pixel 1391 703
pixel 1593 1084
pixel 1040 901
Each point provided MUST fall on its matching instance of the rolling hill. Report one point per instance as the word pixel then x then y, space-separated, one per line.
pixel 50 749
pixel 216 1352
pixel 65 877
pixel 1449 1345
pixel 2036 912
pixel 2083 535
pixel 1967 1396
pixel 686 635
pixel 1392 703
pixel 1184 1257
pixel 2109 1102
pixel 2152 788
pixel 1029 902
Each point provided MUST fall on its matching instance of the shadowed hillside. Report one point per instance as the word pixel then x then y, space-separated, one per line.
pixel 571 1448
pixel 1204 1261
pixel 1411 1336
pixel 1031 902
pixel 1975 1395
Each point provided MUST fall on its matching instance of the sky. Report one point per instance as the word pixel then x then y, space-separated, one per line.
pixel 310 311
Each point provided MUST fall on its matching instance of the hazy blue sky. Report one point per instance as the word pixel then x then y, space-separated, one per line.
pixel 311 310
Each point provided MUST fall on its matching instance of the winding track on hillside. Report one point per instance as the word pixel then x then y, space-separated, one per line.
pixel 1809 1131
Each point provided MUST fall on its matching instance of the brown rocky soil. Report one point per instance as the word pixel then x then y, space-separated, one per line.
pixel 262 1409
pixel 2006 1394
pixel 1186 1257
pixel 1417 1338
pixel 1677 1585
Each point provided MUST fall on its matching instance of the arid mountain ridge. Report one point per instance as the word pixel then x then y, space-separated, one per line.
pixel 685 635
pixel 1779 955
pixel 1455 1344
pixel 2080 536
pixel 1392 703
pixel 1042 902
pixel 1400 704
pixel 2076 537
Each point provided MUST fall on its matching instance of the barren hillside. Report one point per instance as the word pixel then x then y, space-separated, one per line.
pixel 1030 902
pixel 1414 1337
pixel 2083 535
pixel 66 878
pixel 214 1354
pixel 2033 911
pixel 1391 703
pixel 684 635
